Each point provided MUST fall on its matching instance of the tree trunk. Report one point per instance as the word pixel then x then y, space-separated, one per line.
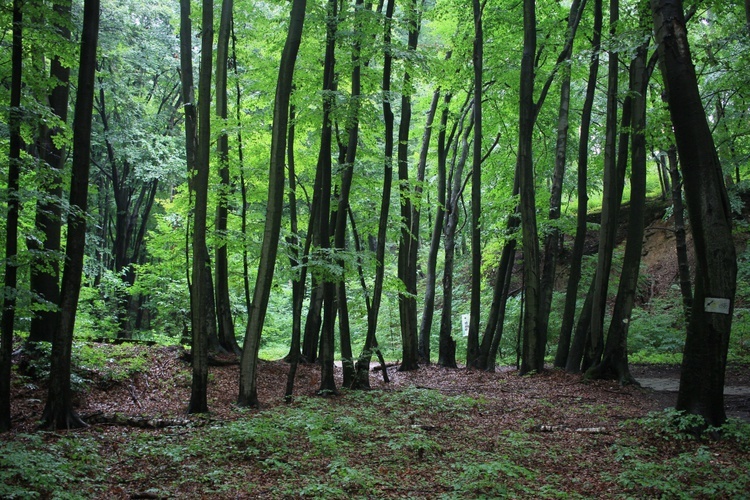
pixel 325 231
pixel 446 343
pixel 407 250
pixel 594 343
pixel 704 357
pixel 10 280
pixel 678 210
pixel 574 277
pixel 201 293
pixel 428 312
pixel 534 339
pixel 614 363
pixel 45 271
pixel 249 363
pixel 472 346
pixel 363 363
pixel 227 339
pixel 553 238
pixel 58 411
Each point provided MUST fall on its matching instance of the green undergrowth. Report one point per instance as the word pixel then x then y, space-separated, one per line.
pixel 412 443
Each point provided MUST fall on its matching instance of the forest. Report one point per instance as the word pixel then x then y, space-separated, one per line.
pixel 353 224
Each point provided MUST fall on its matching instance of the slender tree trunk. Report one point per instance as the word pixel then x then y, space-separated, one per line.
pixel 202 294
pixel 58 411
pixel 191 114
pixel 678 210
pixel 227 339
pixel 363 363
pixel 249 362
pixel 328 320
pixel 553 238
pixel 610 207
pixel 347 173
pixel 407 251
pixel 534 340
pixel 447 345
pixel 295 260
pixel 614 363
pixel 428 312
pixel 704 357
pixel 472 346
pixel 574 277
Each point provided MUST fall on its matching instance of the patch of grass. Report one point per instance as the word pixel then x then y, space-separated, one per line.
pixel 33 467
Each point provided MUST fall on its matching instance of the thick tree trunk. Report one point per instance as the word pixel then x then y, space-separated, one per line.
pixel 45 271
pixel 10 280
pixel 610 206
pixel 202 294
pixel 704 357
pixel 58 411
pixel 574 277
pixel 614 363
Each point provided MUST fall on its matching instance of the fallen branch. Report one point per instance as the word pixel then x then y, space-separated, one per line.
pixel 565 428
pixel 141 422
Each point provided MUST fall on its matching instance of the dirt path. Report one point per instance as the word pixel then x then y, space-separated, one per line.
pixel 664 381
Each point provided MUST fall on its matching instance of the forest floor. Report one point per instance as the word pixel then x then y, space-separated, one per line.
pixel 431 433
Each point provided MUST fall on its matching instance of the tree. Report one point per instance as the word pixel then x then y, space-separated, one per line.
pixel 614 362
pixel 201 310
pixel 472 350
pixel 574 277
pixel 363 363
pixel 704 357
pixel 227 338
pixel 10 280
pixel 248 364
pixel 45 271
pixel 534 340
pixel 408 244
pixel 58 411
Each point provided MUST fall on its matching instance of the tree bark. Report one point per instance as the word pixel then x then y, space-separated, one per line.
pixel 704 356
pixel 58 411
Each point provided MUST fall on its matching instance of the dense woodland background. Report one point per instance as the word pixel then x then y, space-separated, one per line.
pixel 336 180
